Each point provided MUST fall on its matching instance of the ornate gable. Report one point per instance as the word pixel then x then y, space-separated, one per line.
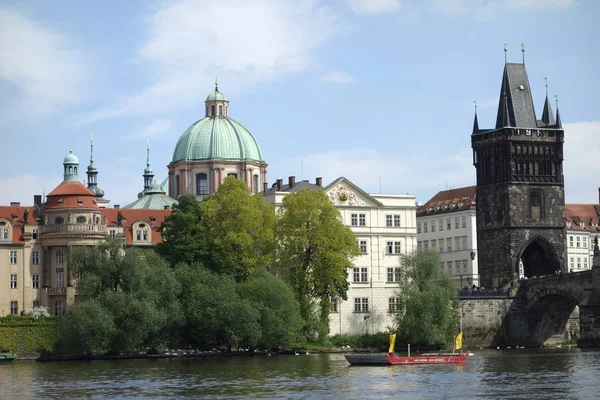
pixel 342 192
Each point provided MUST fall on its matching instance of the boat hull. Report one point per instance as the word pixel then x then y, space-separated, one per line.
pixel 391 359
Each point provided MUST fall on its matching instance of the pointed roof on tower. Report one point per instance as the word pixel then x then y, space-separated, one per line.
pixel 515 106
pixel 547 114
pixel 475 122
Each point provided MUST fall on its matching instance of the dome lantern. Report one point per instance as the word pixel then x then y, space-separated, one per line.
pixel 71 164
pixel 216 104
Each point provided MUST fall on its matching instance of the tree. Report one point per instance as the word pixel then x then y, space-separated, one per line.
pixel 88 328
pixel 184 238
pixel 135 288
pixel 427 304
pixel 239 230
pixel 315 251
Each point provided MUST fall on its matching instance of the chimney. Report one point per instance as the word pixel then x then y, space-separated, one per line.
pixel 319 181
pixel 117 206
pixel 15 204
pixel 37 199
pixel 265 187
pixel 279 182
pixel 292 181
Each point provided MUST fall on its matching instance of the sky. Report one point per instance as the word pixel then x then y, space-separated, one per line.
pixel 378 91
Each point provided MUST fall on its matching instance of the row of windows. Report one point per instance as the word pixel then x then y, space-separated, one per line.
pixel 579 241
pixel 457 266
pixel 459 222
pixel 391 220
pixel 391 247
pixel 460 243
pixel 4 233
pixel 35 279
pixel 579 259
pixel 59 307
pixel 361 304
pixel 361 274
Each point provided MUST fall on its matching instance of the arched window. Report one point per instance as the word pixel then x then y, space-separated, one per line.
pixel 60 257
pixel 81 220
pixel 59 307
pixel 220 110
pixel 75 170
pixel 201 184
pixel 212 111
pixel 255 183
pixel 59 220
pixel 70 170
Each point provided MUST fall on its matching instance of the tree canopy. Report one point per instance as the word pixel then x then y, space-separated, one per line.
pixel 315 250
pixel 427 304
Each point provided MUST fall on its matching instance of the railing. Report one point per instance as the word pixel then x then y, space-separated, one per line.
pixel 76 228
pixel 58 291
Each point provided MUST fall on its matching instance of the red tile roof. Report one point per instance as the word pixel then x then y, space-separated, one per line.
pixel 16 215
pixel 582 217
pixel 71 194
pixel 451 200
pixel 153 217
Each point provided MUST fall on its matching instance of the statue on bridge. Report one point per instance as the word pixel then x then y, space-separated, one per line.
pixel 596 260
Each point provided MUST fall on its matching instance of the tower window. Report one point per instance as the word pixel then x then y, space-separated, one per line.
pixel 255 183
pixel 536 204
pixel 212 111
pixel 201 184
pixel 220 110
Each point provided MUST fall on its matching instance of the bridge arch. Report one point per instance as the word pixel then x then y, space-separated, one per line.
pixel 539 258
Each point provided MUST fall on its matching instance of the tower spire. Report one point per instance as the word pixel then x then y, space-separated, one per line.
pixel 148 173
pixel 547 115
pixel 216 84
pixel 558 121
pixel 523 51
pixel 92 172
pixel 505 50
pixel 475 122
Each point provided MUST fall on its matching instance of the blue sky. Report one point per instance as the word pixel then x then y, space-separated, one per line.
pixel 378 91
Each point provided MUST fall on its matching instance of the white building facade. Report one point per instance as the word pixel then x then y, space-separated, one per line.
pixel 581 224
pixel 385 228
pixel 447 224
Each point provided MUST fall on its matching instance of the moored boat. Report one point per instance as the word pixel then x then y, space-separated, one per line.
pixel 391 359
pixel 6 356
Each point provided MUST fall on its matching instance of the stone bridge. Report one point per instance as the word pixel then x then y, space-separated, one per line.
pixel 541 308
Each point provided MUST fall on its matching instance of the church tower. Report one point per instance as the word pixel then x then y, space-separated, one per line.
pixel 520 186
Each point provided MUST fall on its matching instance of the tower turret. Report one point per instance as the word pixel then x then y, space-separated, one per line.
pixel 148 173
pixel 92 173
pixel 70 165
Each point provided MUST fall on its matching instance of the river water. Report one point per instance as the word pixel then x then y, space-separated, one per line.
pixel 489 374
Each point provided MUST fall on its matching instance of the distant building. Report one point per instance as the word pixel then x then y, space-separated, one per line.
pixel 447 224
pixel 581 221
pixel 385 228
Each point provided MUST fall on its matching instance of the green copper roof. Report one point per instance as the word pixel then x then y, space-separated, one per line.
pixel 217 138
pixel 71 158
pixel 153 198
pixel 216 96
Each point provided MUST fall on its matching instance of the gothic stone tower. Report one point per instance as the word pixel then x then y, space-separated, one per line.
pixel 520 186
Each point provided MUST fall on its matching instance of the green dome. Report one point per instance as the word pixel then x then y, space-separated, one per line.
pixel 71 158
pixel 216 96
pixel 217 138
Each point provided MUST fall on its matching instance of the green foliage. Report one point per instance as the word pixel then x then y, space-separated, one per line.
pixel 239 229
pixel 183 233
pixel 135 293
pixel 26 336
pixel 315 250
pixel 379 341
pixel 428 307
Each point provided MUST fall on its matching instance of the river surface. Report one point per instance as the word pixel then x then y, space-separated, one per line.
pixel 489 374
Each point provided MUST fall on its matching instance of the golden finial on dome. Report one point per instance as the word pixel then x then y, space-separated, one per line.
pixel 505 50
pixel 216 84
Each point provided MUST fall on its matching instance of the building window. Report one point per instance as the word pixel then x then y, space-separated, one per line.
pixel 464 242
pixel 13 281
pixel 255 184
pixel 59 220
pixel 449 266
pixel 220 110
pixel 81 220
pixel 419 245
pixel 457 243
pixel 362 219
pixel 441 225
pixel 393 274
pixel 449 243
pixel 397 248
pixel 232 174
pixel 36 234
pixel 390 247
pixel 13 256
pixel 456 225
pixel 361 304
pixel 360 274
pixel 448 223
pixel 397 220
pixel 4 233
pixel 457 266
pixel 35 304
pixel 433 244
pixel 425 244
pixel 201 184
pixel 363 246
pixel 425 227
pixel 441 245
pixel 578 262
pixel 572 262
pixel 59 307
pixel 393 304
pixel 464 265
pixel 585 242
pixel 60 277
pixel 432 226
pixel 138 235
pixel 14 308
pixel 212 111
pixel 35 257
pixel 536 204
pixel 570 241
pixel 354 219
pixel 577 239
pixel 418 227
pixel 60 258
pixel 464 222
pixel 389 220
pixel 585 263
pixel 334 306
pixel 144 235
pixel 113 233
pixel 35 281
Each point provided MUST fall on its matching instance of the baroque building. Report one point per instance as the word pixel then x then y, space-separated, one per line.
pixel 447 224
pixel 385 228
pixel 211 149
pixel 520 186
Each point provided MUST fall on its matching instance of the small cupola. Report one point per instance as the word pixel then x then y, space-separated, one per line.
pixel 216 103
pixel 71 164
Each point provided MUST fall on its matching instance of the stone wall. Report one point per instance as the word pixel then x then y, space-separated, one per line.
pixel 482 320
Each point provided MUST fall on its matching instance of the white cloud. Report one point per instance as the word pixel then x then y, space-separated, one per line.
pixel 187 43
pixel 581 166
pixel 418 174
pixel 153 130
pixel 40 65
pixel 539 4
pixel 374 6
pixel 337 77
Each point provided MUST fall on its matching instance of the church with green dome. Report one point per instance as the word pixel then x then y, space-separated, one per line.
pixel 213 148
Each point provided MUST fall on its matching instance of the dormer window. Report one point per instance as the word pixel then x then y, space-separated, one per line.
pixel 79 202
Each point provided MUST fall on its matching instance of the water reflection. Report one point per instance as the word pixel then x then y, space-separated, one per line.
pixel 515 374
